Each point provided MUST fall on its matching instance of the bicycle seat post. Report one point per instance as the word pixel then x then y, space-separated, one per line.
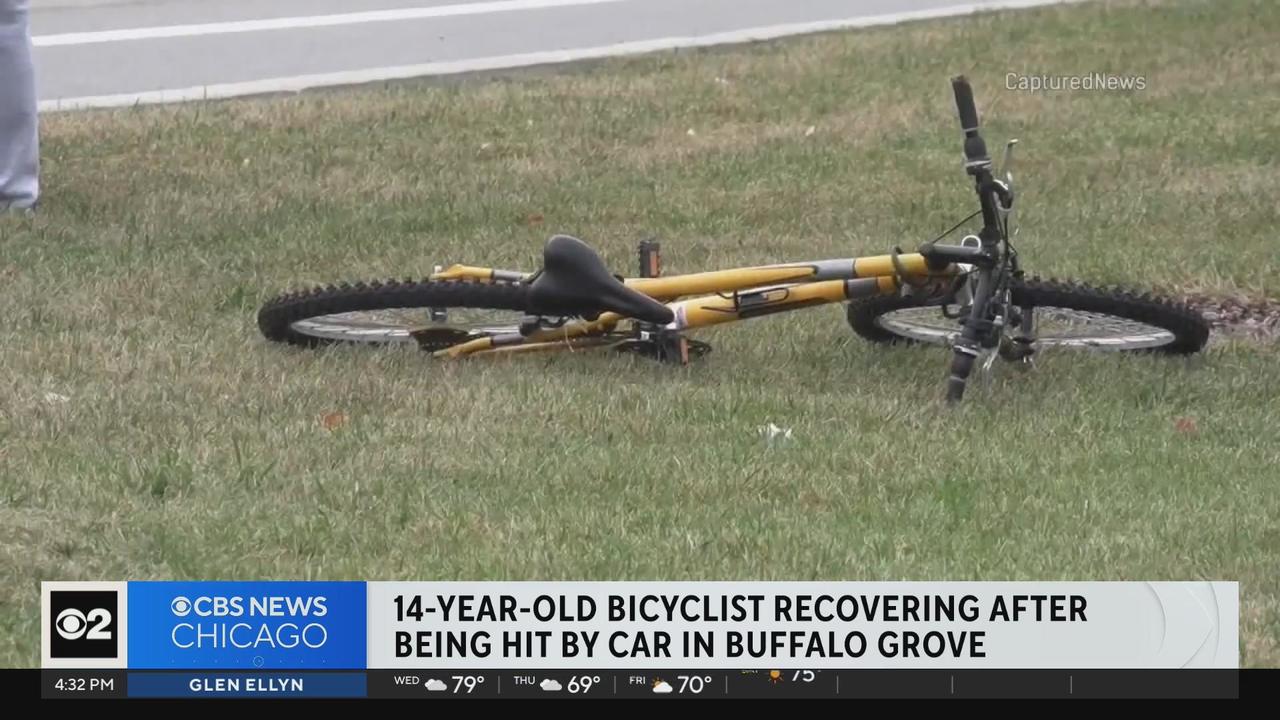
pixel 654 340
pixel 650 258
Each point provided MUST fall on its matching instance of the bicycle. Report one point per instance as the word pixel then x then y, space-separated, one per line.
pixel 972 296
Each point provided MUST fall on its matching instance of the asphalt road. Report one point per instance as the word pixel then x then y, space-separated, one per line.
pixel 96 53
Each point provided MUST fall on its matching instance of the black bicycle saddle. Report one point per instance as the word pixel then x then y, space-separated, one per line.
pixel 575 281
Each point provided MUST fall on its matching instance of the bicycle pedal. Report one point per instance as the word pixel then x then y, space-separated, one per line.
pixel 432 339
pixel 666 347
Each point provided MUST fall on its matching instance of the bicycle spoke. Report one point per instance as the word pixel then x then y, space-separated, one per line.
pixel 396 325
pixel 1055 327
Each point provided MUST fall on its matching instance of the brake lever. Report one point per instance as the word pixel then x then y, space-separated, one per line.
pixel 1004 194
pixel 1006 163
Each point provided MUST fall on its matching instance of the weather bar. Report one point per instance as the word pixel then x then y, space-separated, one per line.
pixel 655 684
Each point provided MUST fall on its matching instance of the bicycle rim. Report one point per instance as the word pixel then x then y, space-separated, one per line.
pixel 1054 327
pixel 398 325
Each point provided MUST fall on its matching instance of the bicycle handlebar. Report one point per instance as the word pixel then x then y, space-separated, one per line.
pixel 964 104
pixel 968 346
pixel 975 150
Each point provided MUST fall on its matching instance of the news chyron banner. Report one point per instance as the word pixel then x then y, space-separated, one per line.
pixel 429 640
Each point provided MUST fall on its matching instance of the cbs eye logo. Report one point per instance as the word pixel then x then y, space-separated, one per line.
pixel 83 623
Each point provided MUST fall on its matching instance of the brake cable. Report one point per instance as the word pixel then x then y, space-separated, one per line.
pixel 960 279
pixel 955 227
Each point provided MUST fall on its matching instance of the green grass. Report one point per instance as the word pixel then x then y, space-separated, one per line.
pixel 190 448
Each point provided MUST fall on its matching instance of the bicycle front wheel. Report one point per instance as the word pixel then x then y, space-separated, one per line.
pixel 1064 314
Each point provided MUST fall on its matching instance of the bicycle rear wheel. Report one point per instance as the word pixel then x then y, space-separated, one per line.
pixel 430 314
pixel 1065 314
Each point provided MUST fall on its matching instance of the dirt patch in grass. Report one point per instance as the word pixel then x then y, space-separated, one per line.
pixel 1258 319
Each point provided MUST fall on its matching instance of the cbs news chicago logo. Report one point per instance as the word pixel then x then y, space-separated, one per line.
pixel 249 622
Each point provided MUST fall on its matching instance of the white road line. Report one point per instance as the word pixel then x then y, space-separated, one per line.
pixel 293 23
pixel 298 83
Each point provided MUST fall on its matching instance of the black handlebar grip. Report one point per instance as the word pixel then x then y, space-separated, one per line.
pixel 961 366
pixel 964 103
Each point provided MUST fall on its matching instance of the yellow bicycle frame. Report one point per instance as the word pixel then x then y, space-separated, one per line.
pixel 717 297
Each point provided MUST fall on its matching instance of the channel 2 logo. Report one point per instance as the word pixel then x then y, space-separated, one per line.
pixel 83 623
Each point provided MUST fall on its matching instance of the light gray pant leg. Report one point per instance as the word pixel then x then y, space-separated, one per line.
pixel 19 143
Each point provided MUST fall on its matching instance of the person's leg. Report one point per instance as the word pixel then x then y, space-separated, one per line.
pixel 19 149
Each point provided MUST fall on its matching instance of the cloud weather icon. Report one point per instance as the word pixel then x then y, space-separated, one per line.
pixel 662 687
pixel 550 685
pixel 434 685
